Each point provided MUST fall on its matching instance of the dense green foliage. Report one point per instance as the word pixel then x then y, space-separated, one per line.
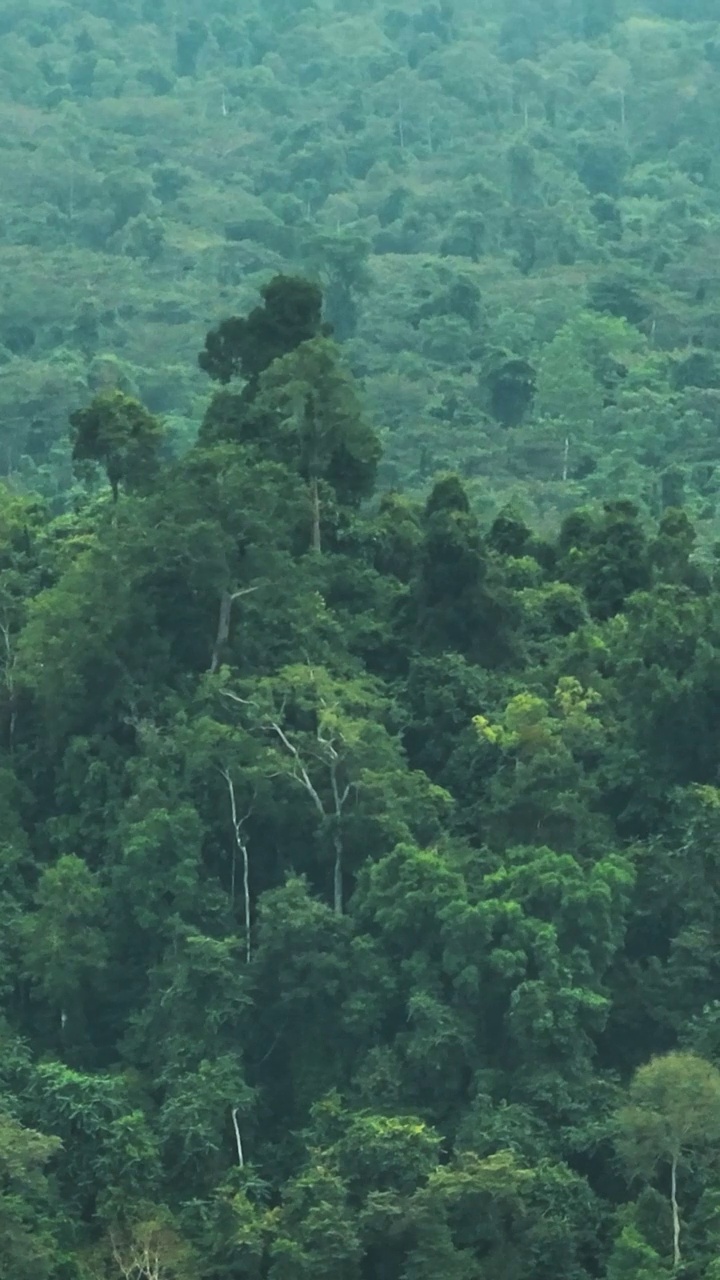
pixel 359 862
pixel 359 865
pixel 513 207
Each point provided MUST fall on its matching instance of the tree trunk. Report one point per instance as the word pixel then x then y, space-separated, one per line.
pixel 246 899
pixel 241 844
pixel 223 630
pixel 316 543
pixel 337 875
pixel 675 1213
pixel 227 601
pixel 238 1139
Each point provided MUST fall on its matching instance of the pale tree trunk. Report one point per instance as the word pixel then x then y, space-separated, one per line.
pixel 238 1139
pixel 339 799
pixel 328 815
pixel 241 844
pixel 337 875
pixel 316 542
pixel 675 1213
pixel 227 601
pixel 223 630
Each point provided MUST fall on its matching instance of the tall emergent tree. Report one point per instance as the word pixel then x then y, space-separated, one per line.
pixel 242 347
pixel 673 1110
pixel 117 431
pixel 299 405
pixel 309 406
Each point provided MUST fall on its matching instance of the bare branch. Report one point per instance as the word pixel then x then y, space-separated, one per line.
pixel 303 775
pixel 329 745
pixel 244 591
pixel 243 702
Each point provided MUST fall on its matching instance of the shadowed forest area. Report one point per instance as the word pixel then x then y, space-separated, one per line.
pixel 359 640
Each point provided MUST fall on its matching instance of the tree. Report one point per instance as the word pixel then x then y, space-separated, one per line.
pixel 26 1246
pixel 187 1037
pixel 309 405
pixel 117 432
pixel 326 736
pixel 632 1258
pixel 499 1214
pixel 148 1247
pixel 340 258
pixel 110 1158
pixel 301 969
pixel 511 385
pixel 65 947
pixel 606 553
pixel 672 1112
pixel 458 602
pixel 290 313
pixel 317 1232
pixel 581 369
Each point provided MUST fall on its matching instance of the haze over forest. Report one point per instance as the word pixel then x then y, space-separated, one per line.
pixel 359 640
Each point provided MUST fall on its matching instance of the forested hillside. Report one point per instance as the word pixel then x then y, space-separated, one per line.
pixel 359 641
pixel 513 206
pixel 359 864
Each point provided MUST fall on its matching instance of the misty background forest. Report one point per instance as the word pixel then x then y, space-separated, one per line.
pixel 359 640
